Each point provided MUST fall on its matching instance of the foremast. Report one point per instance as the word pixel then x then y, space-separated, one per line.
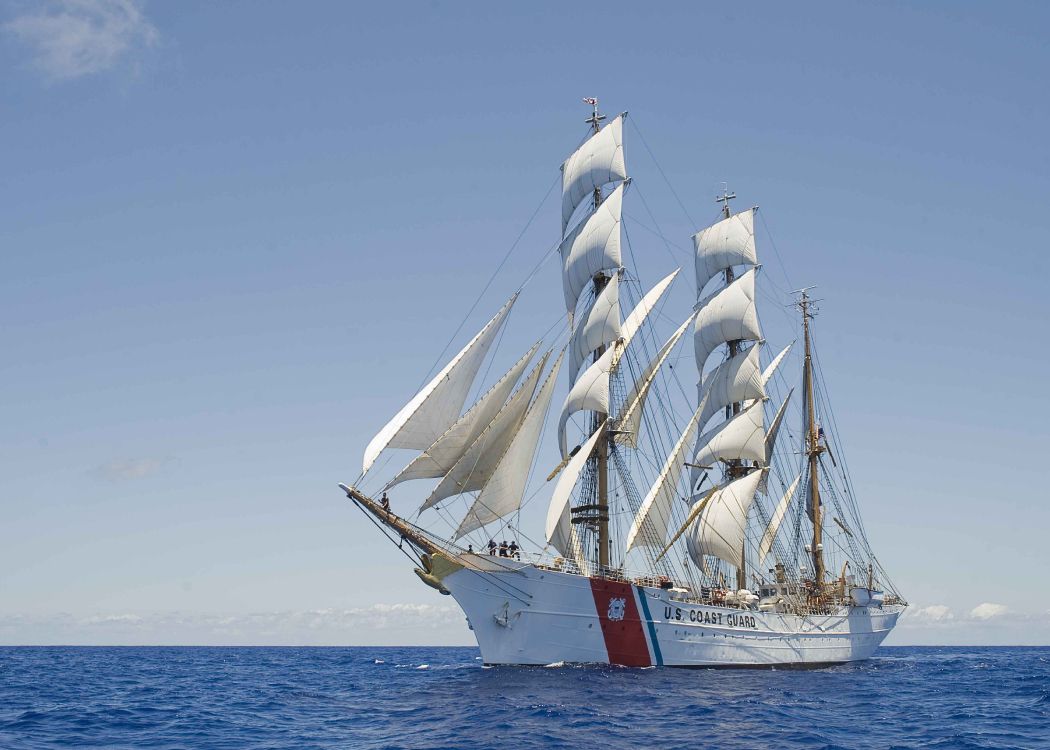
pixel 601 458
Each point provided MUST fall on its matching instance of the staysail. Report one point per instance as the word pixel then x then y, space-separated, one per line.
pixel 437 406
pixel 770 534
pixel 503 492
pixel 474 468
pixel 649 528
pixel 559 522
pixel 442 455
pixel 630 420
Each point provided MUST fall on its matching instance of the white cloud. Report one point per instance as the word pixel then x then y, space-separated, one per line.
pixel 987 611
pixel 120 470
pixel 74 38
pixel 378 624
pixel 932 613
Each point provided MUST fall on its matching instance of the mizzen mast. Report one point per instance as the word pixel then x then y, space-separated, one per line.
pixel 813 450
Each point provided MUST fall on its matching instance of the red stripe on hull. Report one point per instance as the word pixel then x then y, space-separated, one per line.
pixel 622 628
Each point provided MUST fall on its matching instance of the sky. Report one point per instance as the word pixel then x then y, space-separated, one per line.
pixel 234 237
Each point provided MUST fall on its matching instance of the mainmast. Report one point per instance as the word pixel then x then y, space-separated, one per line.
pixel 736 467
pixel 602 452
pixel 813 451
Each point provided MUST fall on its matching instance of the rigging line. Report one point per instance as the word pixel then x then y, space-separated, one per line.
pixel 674 245
pixel 773 244
pixel 634 124
pixel 492 278
pixel 645 204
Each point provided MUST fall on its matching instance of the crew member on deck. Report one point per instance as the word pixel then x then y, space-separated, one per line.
pixel 470 549
pixel 503 549
pixel 513 549
pixel 492 547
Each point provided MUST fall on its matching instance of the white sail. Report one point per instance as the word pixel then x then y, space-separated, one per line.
pixel 601 327
pixel 504 490
pixel 589 393
pixel 473 470
pixel 736 380
pixel 559 523
pixel 633 322
pixel 592 246
pixel 730 242
pixel 439 458
pixel 727 315
pixel 597 162
pixel 742 437
pixel 435 408
pixel 768 372
pixel 774 428
pixel 630 420
pixel 649 528
pixel 719 531
pixel 774 523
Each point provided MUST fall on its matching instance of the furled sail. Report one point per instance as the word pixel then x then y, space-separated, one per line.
pixel 742 437
pixel 630 420
pixel 473 470
pixel 589 393
pixel 600 328
pixel 441 456
pixel 592 246
pixel 649 528
pixel 435 408
pixel 504 490
pixel 768 372
pixel 597 162
pixel 559 520
pixel 727 315
pixel 720 529
pixel 736 380
pixel 770 534
pixel 730 242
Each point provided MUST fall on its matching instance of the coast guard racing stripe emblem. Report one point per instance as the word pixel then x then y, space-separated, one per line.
pixel 621 626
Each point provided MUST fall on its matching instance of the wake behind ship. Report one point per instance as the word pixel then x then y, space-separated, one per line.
pixel 745 550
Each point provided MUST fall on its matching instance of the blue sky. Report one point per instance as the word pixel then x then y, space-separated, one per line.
pixel 233 236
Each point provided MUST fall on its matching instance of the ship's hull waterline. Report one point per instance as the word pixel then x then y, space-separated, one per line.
pixel 526 615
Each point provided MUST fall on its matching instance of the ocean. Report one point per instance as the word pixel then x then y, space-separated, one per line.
pixel 423 697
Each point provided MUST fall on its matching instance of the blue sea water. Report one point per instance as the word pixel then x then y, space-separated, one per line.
pixel 444 698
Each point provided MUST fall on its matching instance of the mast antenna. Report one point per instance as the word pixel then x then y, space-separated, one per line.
pixel 595 119
pixel 724 199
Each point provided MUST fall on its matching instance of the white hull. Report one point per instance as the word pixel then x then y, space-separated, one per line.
pixel 522 614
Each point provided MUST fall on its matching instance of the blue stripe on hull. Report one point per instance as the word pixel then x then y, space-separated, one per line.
pixel 652 628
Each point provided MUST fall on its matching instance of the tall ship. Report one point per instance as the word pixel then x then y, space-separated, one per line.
pixel 706 531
